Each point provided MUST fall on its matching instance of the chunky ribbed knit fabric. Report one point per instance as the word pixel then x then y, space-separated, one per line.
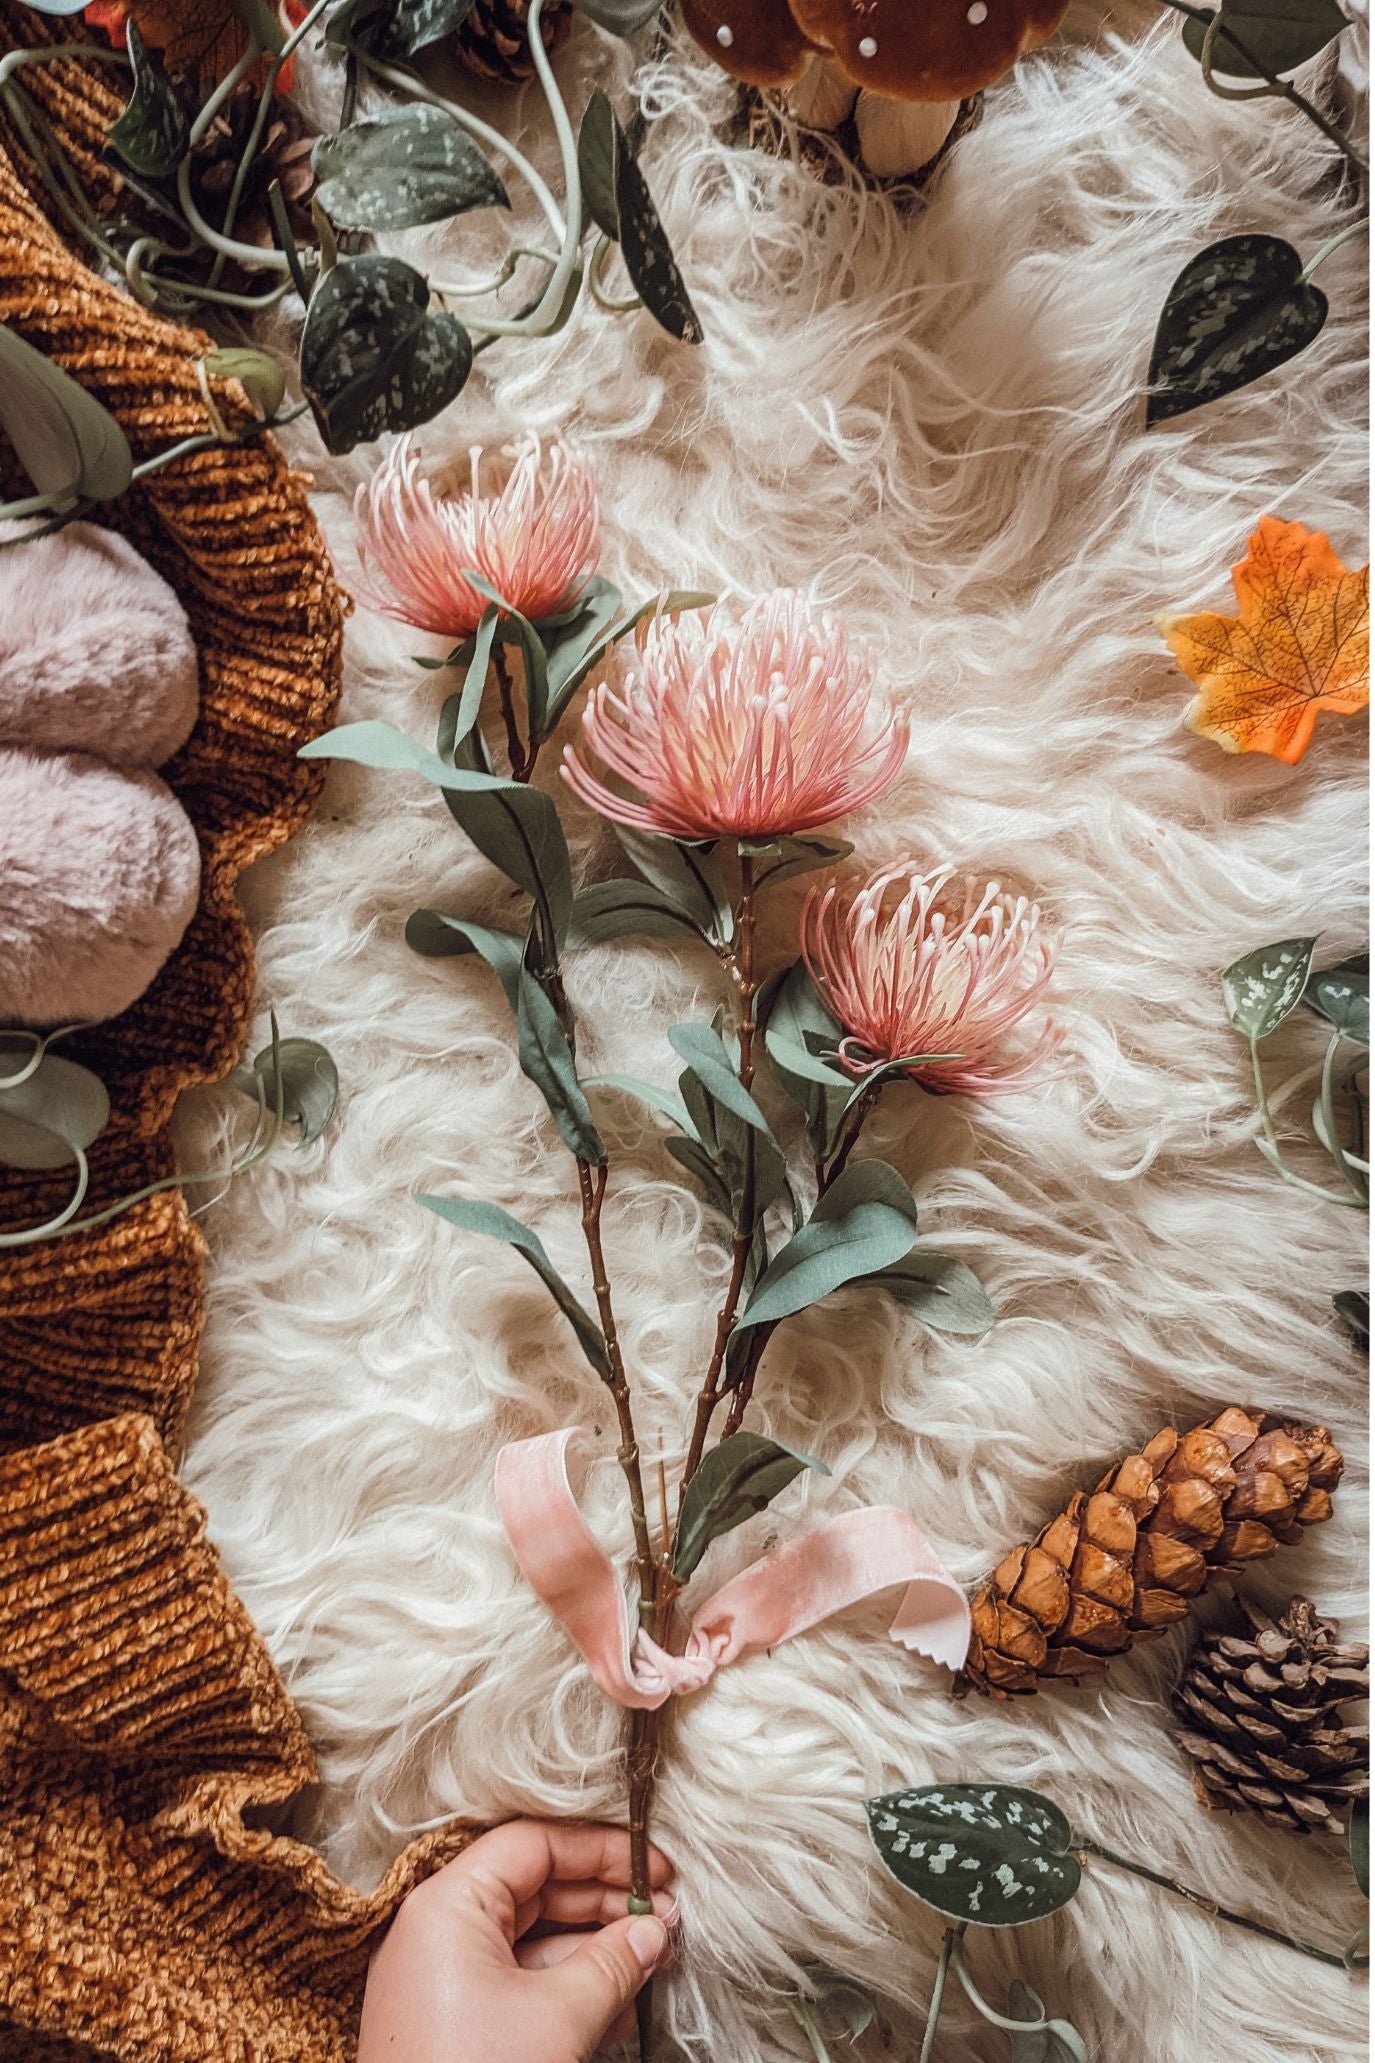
pixel 148 1911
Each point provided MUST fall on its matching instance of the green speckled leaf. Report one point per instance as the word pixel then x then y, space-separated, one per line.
pixel 373 358
pixel 988 1853
pixel 1235 312
pixel 405 166
pixel 1262 988
pixel 150 136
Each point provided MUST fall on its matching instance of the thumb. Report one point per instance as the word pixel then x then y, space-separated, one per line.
pixel 598 1983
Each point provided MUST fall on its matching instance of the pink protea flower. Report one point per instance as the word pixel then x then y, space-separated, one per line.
pixel 915 964
pixel 752 723
pixel 536 541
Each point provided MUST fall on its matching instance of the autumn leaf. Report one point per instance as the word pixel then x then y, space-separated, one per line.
pixel 205 38
pixel 1299 642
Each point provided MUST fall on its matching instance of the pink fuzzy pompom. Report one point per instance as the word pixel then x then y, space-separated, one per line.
pixel 99 874
pixel 96 654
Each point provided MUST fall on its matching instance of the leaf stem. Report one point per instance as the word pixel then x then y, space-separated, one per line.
pixel 1329 1117
pixel 1207 1905
pixel 1276 1158
pixel 1334 243
pixel 1280 88
pixel 933 2014
pixel 820 2052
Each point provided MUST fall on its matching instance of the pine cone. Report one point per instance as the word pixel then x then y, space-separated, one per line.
pixel 1124 1561
pixel 493 39
pixel 1262 1720
pixel 283 153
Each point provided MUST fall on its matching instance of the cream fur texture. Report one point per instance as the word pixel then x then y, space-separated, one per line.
pixel 934 420
pixel 96 654
pixel 99 873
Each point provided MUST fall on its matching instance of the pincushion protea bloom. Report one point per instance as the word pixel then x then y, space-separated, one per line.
pixel 536 541
pixel 751 723
pixel 918 964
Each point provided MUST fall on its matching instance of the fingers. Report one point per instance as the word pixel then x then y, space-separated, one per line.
pixel 592 1988
pixel 512 1864
pixel 594 1905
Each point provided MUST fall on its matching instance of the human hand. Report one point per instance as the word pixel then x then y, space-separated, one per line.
pixel 459 1978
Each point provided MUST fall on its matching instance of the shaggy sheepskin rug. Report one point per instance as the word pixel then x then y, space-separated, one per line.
pixel 932 420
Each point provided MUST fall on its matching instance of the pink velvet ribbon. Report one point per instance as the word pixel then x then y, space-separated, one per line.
pixel 849 1558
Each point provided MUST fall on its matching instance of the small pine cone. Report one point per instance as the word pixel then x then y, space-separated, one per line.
pixel 283 153
pixel 1123 1562
pixel 493 39
pixel 1259 1706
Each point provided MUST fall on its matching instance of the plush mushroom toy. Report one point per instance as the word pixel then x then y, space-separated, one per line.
pixel 900 67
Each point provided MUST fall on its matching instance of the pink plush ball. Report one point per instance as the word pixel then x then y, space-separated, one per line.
pixel 96 654
pixel 99 874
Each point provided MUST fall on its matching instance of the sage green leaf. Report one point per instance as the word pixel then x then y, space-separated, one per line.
pixel 404 166
pixel 597 147
pixel 514 826
pixel 705 1053
pixel 437 937
pixel 310 1083
pixel 545 1056
pixel 513 628
pixel 373 358
pixel 784 857
pixel 494 1223
pixel 479 648
pixel 620 17
pixel 866 1220
pixel 626 909
pixel 1236 311
pixel 395 28
pixel 796 1018
pixel 1262 988
pixel 650 1093
pixel 1047 2041
pixel 260 376
pixel 1358 1844
pixel 52 1116
pixel 151 135
pixel 736 1480
pixel 987 1853
pixel 700 1164
pixel 68 443
pixel 942 1292
pixel 1343 998
pixel 1280 34
pixel 568 669
pixel 688 875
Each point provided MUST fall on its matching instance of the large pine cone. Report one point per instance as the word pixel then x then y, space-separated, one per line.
pixel 493 39
pixel 1124 1561
pixel 1261 1718
pixel 283 153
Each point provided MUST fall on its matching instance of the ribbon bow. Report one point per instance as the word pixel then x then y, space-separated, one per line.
pixel 849 1558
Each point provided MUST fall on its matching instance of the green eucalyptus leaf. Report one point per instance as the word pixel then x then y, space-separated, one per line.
pixel 737 1479
pixel 620 17
pixel 940 1291
pixel 1262 988
pixel 793 1013
pixel 688 875
pixel 705 1053
pixel 786 857
pixel 1236 311
pixel 152 133
pixel 68 443
pixel 475 676
pixel 395 28
pixel 310 1083
pixel 866 1221
pixel 626 909
pixel 1358 1844
pixel 260 376
pixel 546 1057
pixel 402 167
pixel 1046 2041
pixel 569 667
pixel 54 1114
pixel 373 358
pixel 494 1223
pixel 699 1163
pixel 990 1854
pixel 437 937
pixel 513 628
pixel 1343 998
pixel 648 1092
pixel 1280 34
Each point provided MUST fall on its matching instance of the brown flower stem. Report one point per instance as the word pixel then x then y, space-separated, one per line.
pixel 848 1137
pixel 1208 1905
pixel 592 1182
pixel 522 756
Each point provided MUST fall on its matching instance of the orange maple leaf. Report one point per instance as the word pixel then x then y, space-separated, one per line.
pixel 1299 642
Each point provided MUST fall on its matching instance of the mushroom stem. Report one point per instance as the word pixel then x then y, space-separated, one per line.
pixel 897 136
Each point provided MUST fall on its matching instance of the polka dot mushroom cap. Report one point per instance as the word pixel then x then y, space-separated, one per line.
pixel 908 50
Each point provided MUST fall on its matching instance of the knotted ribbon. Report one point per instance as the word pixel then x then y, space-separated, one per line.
pixel 849 1558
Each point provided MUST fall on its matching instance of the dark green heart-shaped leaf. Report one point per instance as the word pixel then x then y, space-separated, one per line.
pixel 373 358
pixel 987 1853
pixel 1344 1000
pixel 150 136
pixel 1358 1844
pixel 688 875
pixel 626 909
pixel 622 207
pixel 493 1223
pixel 1279 34
pixel 621 17
pixel 1236 311
pixel 940 1291
pixel 546 1057
pixel 1262 988
pixel 1352 1306
pixel 48 1119
pixel 402 167
pixel 1044 2041
pixel 395 28
pixel 310 1083
pixel 866 1220
pixel 736 1480
pixel 68 443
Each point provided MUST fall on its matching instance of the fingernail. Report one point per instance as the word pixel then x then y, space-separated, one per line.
pixel 648 1940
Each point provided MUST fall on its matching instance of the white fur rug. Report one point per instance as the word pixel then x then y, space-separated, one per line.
pixel 935 422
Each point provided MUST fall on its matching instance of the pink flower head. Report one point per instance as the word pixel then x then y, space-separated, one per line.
pixel 748 722
pixel 536 542
pixel 941 969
